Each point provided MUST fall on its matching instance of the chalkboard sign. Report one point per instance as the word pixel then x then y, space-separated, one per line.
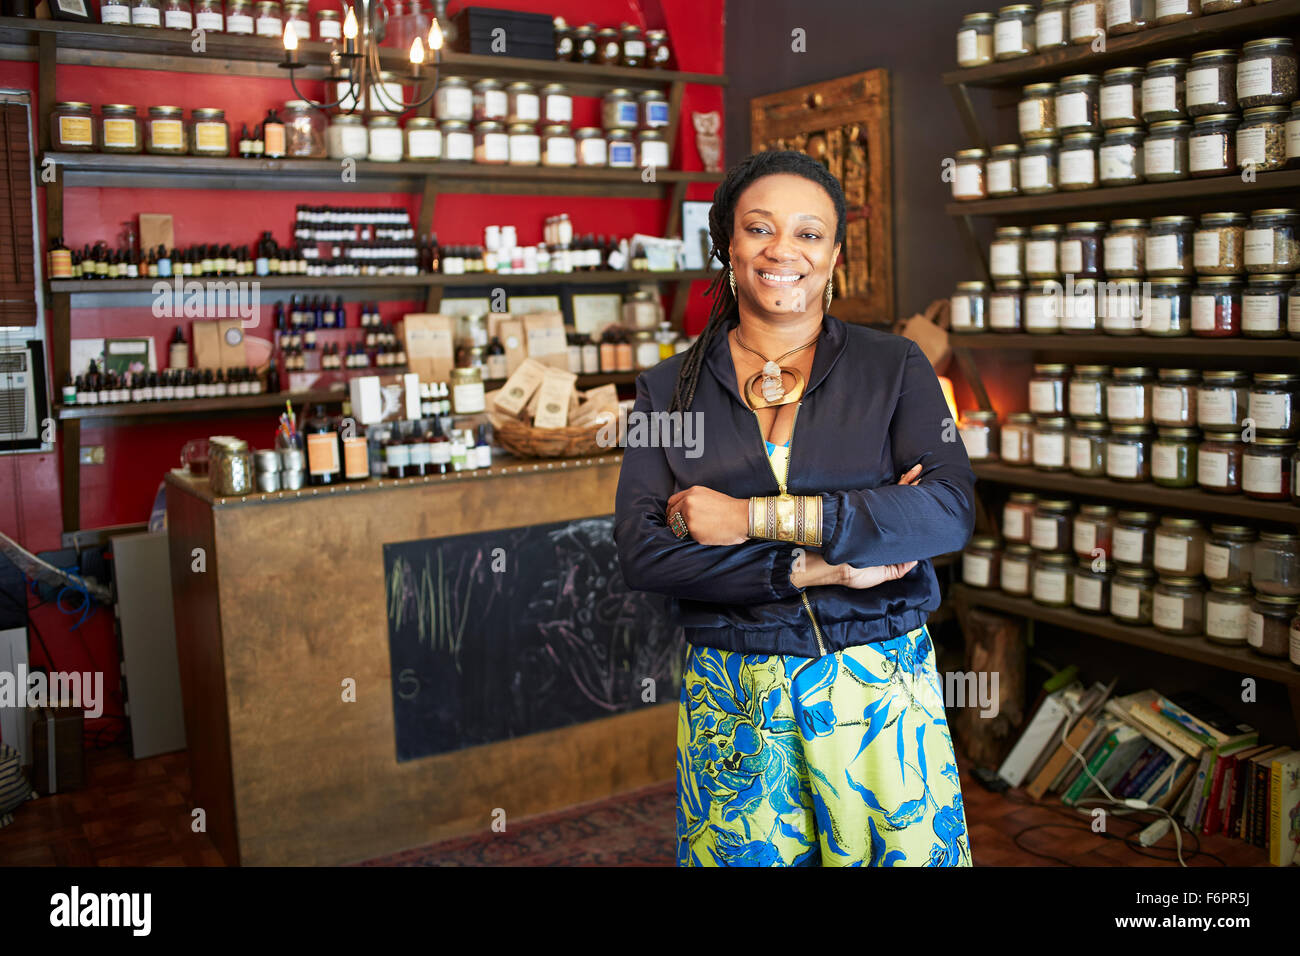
pixel 500 634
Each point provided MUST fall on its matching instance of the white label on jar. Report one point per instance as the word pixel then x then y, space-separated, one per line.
pixel 269 27
pixel 1071 256
pixel 494 103
pixel 1117 102
pixel 114 13
pixel 1013 523
pixel 1117 161
pixel 1216 406
pixel 1293 313
pixel 960 310
pixel 1251 147
pixel 386 144
pixel 527 107
pixel 424 143
pixel 1127 545
pixel 1049 586
pixel 1205 249
pixel 966 50
pixel 454 102
pixel 1033 172
pixel 1202 86
pixel 1261 313
pixel 1080 460
pixel 1007 37
pixel 1212 469
pixel 1158 156
pixel 1255 629
pixel 329 29
pixel 1167 611
pixel 525 149
pixel 1040 312
pixel 592 151
pixel 561 151
pixel 1031 115
pixel 1255 77
pixel 1164 461
pixel 1122 402
pixel 1042 397
pixel 1043 533
pixel 976 441
pixel 146 16
pixel 496 146
pixel 1121 460
pixel 302 28
pixel 975 570
pixel 1002 314
pixel 1084 399
pixel 1203 311
pixel 1216 562
pixel 1261 475
pixel 1124 601
pixel 1172 8
pixel 967 181
pixel 1072 110
pixel 1087 592
pixel 998 172
pixel 1259 247
pixel 1083 21
pixel 207 20
pixel 1040 256
pixel 1159 95
pixel 178 20
pixel 1118 13
pixel 239 23
pixel 1171 553
pixel 1049 29
pixel 458 145
pixel 1292 139
pixel 1010 447
pixel 1085 537
pixel 1004 259
pixel 1078 166
pixel 559 109
pixel 1167 404
pixel 1269 411
pixel 1160 313
pixel 1207 152
pixel 1015 576
pixel 1121 252
pixel 1226 621
pixel 1162 253
pixel 1049 449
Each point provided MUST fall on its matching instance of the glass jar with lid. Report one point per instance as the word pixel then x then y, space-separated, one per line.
pixel 208 133
pixel 1013 31
pixel 590 146
pixel 1129 16
pixel 329 27
pixel 652 109
pixel 1041 250
pixel 1091 586
pixel 618 110
pixel 1119 158
pixel 1229 554
pixel 1218 244
pixel 73 128
pixel 968 307
pixel 633 41
pixel 1169 246
pixel 584 43
pixel 968 175
pixel 1212 145
pixel 1218 462
pixel 1047 386
pixel 239 17
pixel 1223 399
pixel 1094 529
pixel 208 15
pixel 1051 527
pixel 979 434
pixel 1038 167
pixel 1017 517
pixel 1087 392
pixel 1227 613
pixel 1076 161
pixel 346 137
pixel 423 138
pixel 1037 111
pixel 146 13
pixel 457 141
pixel 609 47
pixel 1041 307
pixel 1264 306
pixel 1268 629
pixel 1168 308
pixel 975 40
pixel 1211 83
pixel 490 100
pixel 980 562
pixel 491 143
pixel 1076 104
pixel 1125 249
pixel 1079 252
pixel 558 146
pixel 1017 568
pixel 563 34
pixel 1017 439
pixel 522 103
pixel 1271 243
pixel 1266 469
pixel 165 131
pixel 1128 453
pixel 178 15
pixel 1088 441
pixel 297 17
pixel 1164 151
pixel 115 12
pixel 1087 21
pixel 1179 546
pixel 557 103
pixel 304 131
pixel 1053 579
pixel 660 52
pixel 1131 593
pixel 1002 171
pixel 385 140
pixel 651 149
pixel 1005 306
pixel 1079 314
pixel 1178 606
pixel 1261 139
pixel 1007 253
pixel 1275 564
pixel 1173 400
pixel 1119 100
pixel 1292 135
pixel 1272 404
pixel 1216 307
pixel 1164 95
pixel 454 100
pixel 1123 308
pixel 119 129
pixel 1051 26
pixel 1266 73
pixel 1134 538
pixel 621 149
pixel 1173 457
pixel 524 145
pixel 269 21
pixel 1174 11
pixel 1050 443
pixel 1128 396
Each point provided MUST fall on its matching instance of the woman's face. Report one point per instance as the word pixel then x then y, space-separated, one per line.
pixel 783 245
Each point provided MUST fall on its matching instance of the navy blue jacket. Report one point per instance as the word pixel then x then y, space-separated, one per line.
pixel 872 409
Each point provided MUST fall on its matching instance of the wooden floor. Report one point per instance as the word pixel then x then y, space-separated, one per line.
pixel 137 813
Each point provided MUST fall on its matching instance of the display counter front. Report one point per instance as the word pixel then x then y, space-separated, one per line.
pixel 380 665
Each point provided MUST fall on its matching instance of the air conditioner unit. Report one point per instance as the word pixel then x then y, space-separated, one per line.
pixel 24 402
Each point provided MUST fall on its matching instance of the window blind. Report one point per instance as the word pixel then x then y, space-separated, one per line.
pixel 17 243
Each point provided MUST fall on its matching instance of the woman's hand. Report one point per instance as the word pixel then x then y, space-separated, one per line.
pixel 712 517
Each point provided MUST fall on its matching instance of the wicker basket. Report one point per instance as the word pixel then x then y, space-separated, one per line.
pixel 525 441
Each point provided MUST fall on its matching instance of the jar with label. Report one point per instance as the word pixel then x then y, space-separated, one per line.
pixel 165 131
pixel 457 141
pixel 177 15
pixel 660 52
pixel 1273 404
pixel 633 41
pixel 1017 517
pixel 1131 593
pixel 209 134
pixel 1223 6
pixel 557 103
pixel 269 22
pixel 1163 90
pixel 525 145
pixel 1173 400
pixel 1007 253
pixel 423 138
pixel 1038 167
pixel 297 17
pixel 1123 308
pixel 584 43
pixel 1125 249
pixel 1168 308
pixel 1266 469
pixel 1076 104
pixel 1218 244
pixel 1077 161
pixel 1087 392
pixel 1119 158
pixel 1052 25
pixel 1174 11
pixel 120 129
pixel 1087 20
pixel 1050 443
pixel 1264 307
pixel 1040 252
pixel 1173 457
pixel 467 395
pixel 1179 546
pixel 1229 554
pixel 1128 453
pixel 1293 311
pixel 1266 73
pixel 558 148
pixel 652 109
pixel 1005 306
pixel 619 110
pixel 146 13
pixel 1216 307
pixel 329 27
pixel 1017 439
pixel 239 17
pixel 968 175
pixel 1088 441
pixel 1164 152
pixel 1119 101
pixel 652 149
pixel 1037 111
pixel 1051 527
pixel 522 104
pixel 115 12
pixel 1218 462
pixel 1223 400
pixel 1080 313
pixel 1227 614
pixel 385 140
pixel 454 100
pixel 1211 83
pixel 1128 396
pixel 645 350
pixel 1053 579
pixel 1017 568
pixel 563 34
pixel 491 144
pixel 1134 539
pixel 609 48
pixel 1002 171
pixel 1275 564
pixel 1091 587
pixel 589 142
pixel 975 40
pixel 979 434
pixel 1041 308
pixel 1129 16
pixel 73 128
pixel 304 131
pixel 490 101
pixel 1261 139
pixel 346 137
pixel 1292 136
pixel 1094 529
pixel 1047 387
pixel 980 562
pixel 1169 246
pixel 1270 243
pixel 968 307
pixel 1212 145
pixel 1178 606
pixel 1080 249
pixel 1268 629
pixel 1013 31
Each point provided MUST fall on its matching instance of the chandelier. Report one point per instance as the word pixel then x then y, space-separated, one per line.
pixel 357 64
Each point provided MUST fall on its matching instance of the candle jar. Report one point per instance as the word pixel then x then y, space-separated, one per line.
pixel 1134 538
pixel 1275 564
pixel 1131 592
pixel 385 140
pixel 454 100
pixel 1264 307
pixel 1218 462
pixel 1017 517
pixel 1128 396
pixel 1218 244
pixel 1080 307
pixel 1004 306
pixel 1125 249
pixel 146 13
pixel 1076 103
pixel 1119 158
pixel 557 103
pixel 1223 399
pixel 177 15
pixel 975 40
pixel 1047 388
pixel 1038 167
pixel 558 146
pixel 423 138
pixel 209 134
pixel 1050 444
pixel 1088 440
pixel 1173 400
pixel 1087 20
pixel 268 22
pixel 1079 252
pixel 1129 16
pixel 652 149
pixel 1013 31
pixel 1077 161
pixel 968 307
pixel 1178 606
pixel 457 141
pixel 491 144
pixel 1123 308
pixel 1164 152
pixel 621 149
pixel 1261 139
pixel 1216 307
pixel 1087 392
pixel 1212 145
pixel 968 175
pixel 119 129
pixel 1174 11
pixel 1179 547
pixel 979 433
pixel 591 148
pixel 490 101
pixel 1169 246
pixel 980 562
pixel 1002 171
pixel 1266 469
pixel 1119 101
pixel 73 128
pixel 1017 567
pixel 1053 578
pixel 1163 90
pixel 1211 83
pixel 1128 453
pixel 1227 614
pixel 1270 242
pixel 1266 73
pixel 1173 457
pixel 1268 629
pixel 1051 527
pixel 165 131
pixel 1091 587
pixel 1272 404
pixel 1229 554
pixel 652 110
pixel 525 145
pixel 1007 253
pixel 346 138
pixel 1094 530
pixel 304 131
pixel 1017 440
pixel 1168 308
pixel 1037 111
pixel 660 53
pixel 239 17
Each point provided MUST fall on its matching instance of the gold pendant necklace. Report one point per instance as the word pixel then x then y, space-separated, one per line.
pixel 766 388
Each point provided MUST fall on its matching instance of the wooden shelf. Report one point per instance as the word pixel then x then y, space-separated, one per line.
pixel 1170 499
pixel 1236 659
pixel 1147 345
pixel 1135 49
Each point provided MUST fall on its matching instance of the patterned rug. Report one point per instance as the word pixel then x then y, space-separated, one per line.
pixel 637 828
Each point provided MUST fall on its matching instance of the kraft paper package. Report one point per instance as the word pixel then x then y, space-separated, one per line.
pixel 430 342
pixel 520 387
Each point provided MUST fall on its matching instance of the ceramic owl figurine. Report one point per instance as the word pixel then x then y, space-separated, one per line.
pixel 707 141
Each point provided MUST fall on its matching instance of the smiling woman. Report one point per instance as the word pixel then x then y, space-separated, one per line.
pixel 803 581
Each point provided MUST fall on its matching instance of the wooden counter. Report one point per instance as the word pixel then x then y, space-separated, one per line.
pixel 288 603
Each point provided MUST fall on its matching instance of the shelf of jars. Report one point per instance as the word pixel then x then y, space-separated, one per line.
pixel 1199 649
pixel 1189 345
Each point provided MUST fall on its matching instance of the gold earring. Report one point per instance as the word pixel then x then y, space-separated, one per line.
pixel 731 277
pixel 830 291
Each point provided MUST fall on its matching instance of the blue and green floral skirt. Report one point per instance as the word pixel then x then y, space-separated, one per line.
pixel 841 760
